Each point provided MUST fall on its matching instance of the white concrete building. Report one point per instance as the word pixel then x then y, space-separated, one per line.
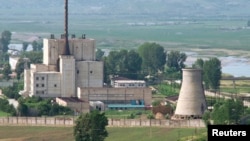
pixel 129 83
pixel 123 82
pixel 60 75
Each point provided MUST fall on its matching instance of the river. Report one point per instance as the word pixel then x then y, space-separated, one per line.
pixel 233 65
pixel 236 66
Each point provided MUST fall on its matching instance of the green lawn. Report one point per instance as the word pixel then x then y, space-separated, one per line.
pixel 3 114
pixel 31 133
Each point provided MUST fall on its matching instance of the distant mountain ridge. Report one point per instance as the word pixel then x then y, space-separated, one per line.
pixel 178 8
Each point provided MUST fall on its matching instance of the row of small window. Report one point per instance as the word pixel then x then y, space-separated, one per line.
pixel 122 84
pixel 111 95
pixel 42 85
pixel 42 78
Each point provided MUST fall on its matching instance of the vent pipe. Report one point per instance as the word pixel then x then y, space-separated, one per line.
pixel 66 50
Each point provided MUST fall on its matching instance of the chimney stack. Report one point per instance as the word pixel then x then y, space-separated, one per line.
pixel 66 50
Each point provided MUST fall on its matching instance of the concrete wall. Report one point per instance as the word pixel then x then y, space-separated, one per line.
pixel 77 107
pixel 67 70
pixel 81 49
pixel 115 94
pixel 27 80
pixel 53 84
pixel 38 67
pixel 69 121
pixel 45 84
pixel 89 74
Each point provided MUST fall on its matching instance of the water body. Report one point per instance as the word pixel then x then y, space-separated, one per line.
pixel 236 66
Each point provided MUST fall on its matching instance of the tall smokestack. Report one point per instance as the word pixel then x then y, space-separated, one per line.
pixel 66 50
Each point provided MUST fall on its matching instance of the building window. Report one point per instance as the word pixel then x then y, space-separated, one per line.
pixel 37 85
pixel 91 71
pixel 37 78
pixel 55 85
pixel 42 85
pixel 77 71
pixel 42 78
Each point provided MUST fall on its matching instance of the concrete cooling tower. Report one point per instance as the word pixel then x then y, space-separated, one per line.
pixel 191 103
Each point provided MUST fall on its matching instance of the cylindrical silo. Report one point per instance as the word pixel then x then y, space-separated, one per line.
pixel 191 102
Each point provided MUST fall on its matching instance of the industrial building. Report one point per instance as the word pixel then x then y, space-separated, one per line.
pixel 60 75
pixel 70 69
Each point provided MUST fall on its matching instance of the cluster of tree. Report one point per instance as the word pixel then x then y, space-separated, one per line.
pixel 12 91
pixel 153 58
pixel 41 107
pixel 34 56
pixel 149 59
pixel 225 111
pixel 4 46
pixel 6 107
pixel 123 63
pixel 91 127
pixel 211 72
pixel 36 46
pixel 6 71
pixel 27 58
pixel 5 41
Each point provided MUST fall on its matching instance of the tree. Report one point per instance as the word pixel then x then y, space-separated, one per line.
pixel 91 127
pixel 35 57
pixel 4 57
pixel 22 109
pixel 176 59
pixel 99 54
pixel 6 71
pixel 37 46
pixel 133 64
pixel 5 41
pixel 25 46
pixel 123 63
pixel 153 57
pixel 6 107
pixel 23 63
pixel 212 73
pixel 198 64
pixel 227 112
pixel 20 67
pixel 12 91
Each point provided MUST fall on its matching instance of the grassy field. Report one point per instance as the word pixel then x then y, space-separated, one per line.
pixel 27 133
pixel 3 114
pixel 240 86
